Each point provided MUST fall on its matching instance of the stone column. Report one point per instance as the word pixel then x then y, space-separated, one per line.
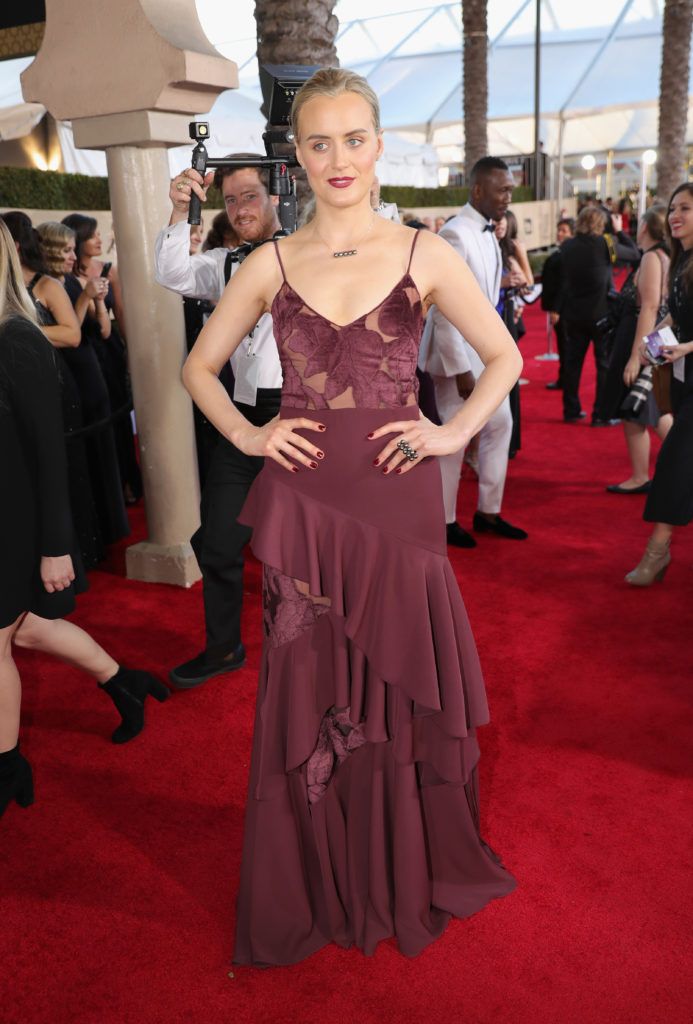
pixel 138 181
pixel 162 70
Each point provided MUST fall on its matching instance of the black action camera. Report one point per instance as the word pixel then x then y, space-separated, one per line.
pixel 279 86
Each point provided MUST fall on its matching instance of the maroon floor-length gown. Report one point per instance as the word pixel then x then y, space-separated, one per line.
pixel 362 819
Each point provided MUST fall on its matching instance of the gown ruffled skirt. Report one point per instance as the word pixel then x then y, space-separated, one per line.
pixel 362 820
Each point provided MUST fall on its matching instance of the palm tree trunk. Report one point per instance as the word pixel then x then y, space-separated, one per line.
pixel 673 96
pixel 296 32
pixel 475 81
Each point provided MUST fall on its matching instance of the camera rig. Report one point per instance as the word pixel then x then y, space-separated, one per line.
pixel 279 83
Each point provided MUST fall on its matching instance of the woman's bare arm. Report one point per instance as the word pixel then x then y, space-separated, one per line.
pixel 455 291
pixel 118 310
pixel 443 277
pixel 65 332
pixel 649 287
pixel 523 259
pixel 247 296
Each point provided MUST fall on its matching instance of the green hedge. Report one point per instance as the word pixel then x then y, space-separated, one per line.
pixel 406 196
pixel 51 190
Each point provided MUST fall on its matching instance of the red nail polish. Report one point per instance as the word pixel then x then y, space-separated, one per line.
pixel 320 455
pixel 385 469
pixel 369 436
pixel 376 462
pixel 313 465
pixel 294 469
pixel 398 470
pixel 321 426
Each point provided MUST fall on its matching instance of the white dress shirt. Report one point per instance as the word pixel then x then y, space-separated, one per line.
pixel 202 277
pixel 444 352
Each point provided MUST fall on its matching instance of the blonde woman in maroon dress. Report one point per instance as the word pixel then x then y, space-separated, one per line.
pixel 362 818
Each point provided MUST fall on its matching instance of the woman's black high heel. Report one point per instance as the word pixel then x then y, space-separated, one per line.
pixel 16 779
pixel 128 689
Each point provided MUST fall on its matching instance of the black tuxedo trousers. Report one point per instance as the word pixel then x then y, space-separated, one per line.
pixel 219 542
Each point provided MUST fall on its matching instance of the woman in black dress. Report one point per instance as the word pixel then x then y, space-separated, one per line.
pixel 85 366
pixel 108 339
pixel 60 325
pixel 670 500
pixel 643 303
pixel 36 534
pixel 515 263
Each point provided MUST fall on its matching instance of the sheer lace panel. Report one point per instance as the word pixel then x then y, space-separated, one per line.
pixel 370 363
pixel 288 607
pixel 337 739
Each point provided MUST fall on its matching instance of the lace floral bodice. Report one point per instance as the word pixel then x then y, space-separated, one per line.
pixel 369 363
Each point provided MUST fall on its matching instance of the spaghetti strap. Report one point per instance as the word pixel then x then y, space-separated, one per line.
pixel 413 246
pixel 281 265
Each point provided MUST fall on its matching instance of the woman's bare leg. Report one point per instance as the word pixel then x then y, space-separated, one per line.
pixel 661 534
pixel 638 444
pixel 10 691
pixel 664 425
pixel 68 642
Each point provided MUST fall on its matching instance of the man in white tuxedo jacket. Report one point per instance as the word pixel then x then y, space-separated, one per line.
pixel 453 363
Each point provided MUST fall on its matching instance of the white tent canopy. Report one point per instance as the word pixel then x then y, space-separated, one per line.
pixel 600 79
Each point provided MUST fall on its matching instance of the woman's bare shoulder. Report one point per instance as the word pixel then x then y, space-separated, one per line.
pixel 49 288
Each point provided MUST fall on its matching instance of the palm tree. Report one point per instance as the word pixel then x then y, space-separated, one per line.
pixel 673 95
pixel 475 81
pixel 296 32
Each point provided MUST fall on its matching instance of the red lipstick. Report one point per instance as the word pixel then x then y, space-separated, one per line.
pixel 340 182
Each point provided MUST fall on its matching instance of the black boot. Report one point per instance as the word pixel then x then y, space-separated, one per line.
pixel 128 689
pixel 16 780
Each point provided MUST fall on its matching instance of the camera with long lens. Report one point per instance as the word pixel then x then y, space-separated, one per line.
pixel 639 392
pixel 279 84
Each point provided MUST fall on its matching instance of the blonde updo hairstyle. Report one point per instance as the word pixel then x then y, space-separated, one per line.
pixel 333 82
pixel 53 237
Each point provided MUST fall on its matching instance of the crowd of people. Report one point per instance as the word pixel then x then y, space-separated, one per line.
pixel 285 429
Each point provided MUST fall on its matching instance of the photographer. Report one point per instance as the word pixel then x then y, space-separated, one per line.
pixel 219 542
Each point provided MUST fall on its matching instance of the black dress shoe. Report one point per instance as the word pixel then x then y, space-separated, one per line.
pixel 597 421
pixel 499 526
pixel 201 668
pixel 642 489
pixel 554 385
pixel 575 419
pixel 458 537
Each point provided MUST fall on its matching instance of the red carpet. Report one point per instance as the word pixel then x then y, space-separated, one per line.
pixel 118 885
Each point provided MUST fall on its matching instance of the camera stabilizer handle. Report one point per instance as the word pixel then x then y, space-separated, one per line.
pixel 281 182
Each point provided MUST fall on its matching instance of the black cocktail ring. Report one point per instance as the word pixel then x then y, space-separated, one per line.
pixel 407 450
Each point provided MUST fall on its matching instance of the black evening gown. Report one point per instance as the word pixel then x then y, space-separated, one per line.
pixel 615 390
pixel 506 310
pixel 95 400
pixel 35 511
pixel 84 514
pixel 112 356
pixel 670 499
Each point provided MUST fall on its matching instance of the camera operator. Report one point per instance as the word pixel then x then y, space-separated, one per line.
pixel 219 542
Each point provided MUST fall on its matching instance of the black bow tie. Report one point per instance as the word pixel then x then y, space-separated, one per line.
pixel 489 227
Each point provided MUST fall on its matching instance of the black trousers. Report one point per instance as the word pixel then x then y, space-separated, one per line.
pixel 559 331
pixel 578 336
pixel 219 542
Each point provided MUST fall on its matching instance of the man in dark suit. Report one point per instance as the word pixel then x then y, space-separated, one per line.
pixel 586 262
pixel 552 293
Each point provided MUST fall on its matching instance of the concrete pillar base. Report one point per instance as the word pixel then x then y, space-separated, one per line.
pixel 162 563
